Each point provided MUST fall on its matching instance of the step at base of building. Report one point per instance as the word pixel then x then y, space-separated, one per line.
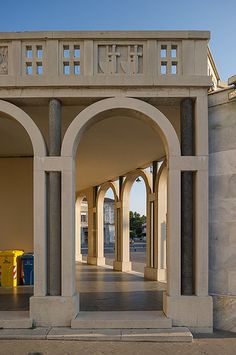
pixel 121 320
pixel 15 320
pixel 175 334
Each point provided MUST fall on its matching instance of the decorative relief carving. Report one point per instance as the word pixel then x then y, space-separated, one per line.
pixel 120 59
pixel 3 60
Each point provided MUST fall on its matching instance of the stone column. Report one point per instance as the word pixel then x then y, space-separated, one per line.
pixel 153 227
pixel 92 226
pixel 117 230
pixel 78 254
pixel 161 223
pixel 117 261
pixel 187 211
pixel 54 202
pixel 100 259
pixel 122 262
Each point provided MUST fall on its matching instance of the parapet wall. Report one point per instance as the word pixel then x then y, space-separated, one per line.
pixel 76 58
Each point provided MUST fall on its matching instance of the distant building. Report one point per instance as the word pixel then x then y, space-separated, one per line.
pixel 144 229
pixel 109 221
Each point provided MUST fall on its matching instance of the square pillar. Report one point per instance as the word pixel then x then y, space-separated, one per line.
pixel 40 232
pixel 123 263
pixel 78 254
pixel 173 232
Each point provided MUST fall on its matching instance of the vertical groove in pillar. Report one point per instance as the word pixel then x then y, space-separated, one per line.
pixel 119 220
pixel 54 202
pixel 153 226
pixel 152 237
pixel 187 228
pixel 95 192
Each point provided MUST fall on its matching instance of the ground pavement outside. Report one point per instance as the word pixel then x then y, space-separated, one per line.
pixel 217 344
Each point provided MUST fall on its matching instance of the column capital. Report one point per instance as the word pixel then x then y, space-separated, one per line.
pixel 53 163
pixel 188 163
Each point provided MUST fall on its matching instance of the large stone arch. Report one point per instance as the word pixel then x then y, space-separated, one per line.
pixel 28 124
pixel 39 193
pixel 106 186
pixel 99 110
pixel 92 114
pixel 130 179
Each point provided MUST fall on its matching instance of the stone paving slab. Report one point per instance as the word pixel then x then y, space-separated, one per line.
pixel 28 334
pixel 85 334
pixel 176 334
pixel 125 335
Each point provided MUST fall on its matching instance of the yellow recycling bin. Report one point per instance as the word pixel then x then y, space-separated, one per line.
pixel 10 267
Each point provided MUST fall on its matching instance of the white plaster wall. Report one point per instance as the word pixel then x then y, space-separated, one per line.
pixel 222 209
pixel 16 203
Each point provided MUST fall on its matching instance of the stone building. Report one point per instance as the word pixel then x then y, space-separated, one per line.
pixel 109 221
pixel 222 206
pixel 82 112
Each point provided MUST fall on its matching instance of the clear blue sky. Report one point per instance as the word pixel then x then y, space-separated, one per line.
pixel 217 16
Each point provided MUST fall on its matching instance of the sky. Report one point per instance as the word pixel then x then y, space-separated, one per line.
pixel 216 16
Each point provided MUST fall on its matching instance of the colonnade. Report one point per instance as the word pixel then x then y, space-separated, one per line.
pixel 186 302
pixel 156 210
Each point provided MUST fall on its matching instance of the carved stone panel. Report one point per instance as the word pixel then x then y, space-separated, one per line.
pixel 3 60
pixel 120 59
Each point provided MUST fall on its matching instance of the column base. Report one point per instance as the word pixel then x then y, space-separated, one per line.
pixel 162 275
pixel 93 260
pixel 122 266
pixel 78 257
pixel 150 273
pixel 53 311
pixel 194 312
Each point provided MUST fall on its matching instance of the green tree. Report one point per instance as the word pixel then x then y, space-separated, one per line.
pixel 136 222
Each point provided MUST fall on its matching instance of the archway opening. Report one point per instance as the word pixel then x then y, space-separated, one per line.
pixel 138 225
pixel 161 221
pixel 84 227
pixel 109 227
pixel 16 211
pixel 114 150
pixel 99 163
pixel 81 228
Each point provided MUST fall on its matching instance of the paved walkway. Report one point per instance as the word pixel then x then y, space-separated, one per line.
pixel 216 345
pixel 15 298
pixel 101 289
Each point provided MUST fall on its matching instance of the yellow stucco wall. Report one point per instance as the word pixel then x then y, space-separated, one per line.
pixel 16 203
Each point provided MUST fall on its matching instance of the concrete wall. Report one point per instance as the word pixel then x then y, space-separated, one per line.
pixel 16 203
pixel 222 209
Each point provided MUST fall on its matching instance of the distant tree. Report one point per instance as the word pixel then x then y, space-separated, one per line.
pixel 136 222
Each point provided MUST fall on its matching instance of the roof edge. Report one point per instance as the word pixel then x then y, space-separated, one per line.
pixel 155 34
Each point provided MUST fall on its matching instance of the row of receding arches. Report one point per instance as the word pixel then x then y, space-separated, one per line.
pixel 45 308
pixel 156 211
pixel 66 165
